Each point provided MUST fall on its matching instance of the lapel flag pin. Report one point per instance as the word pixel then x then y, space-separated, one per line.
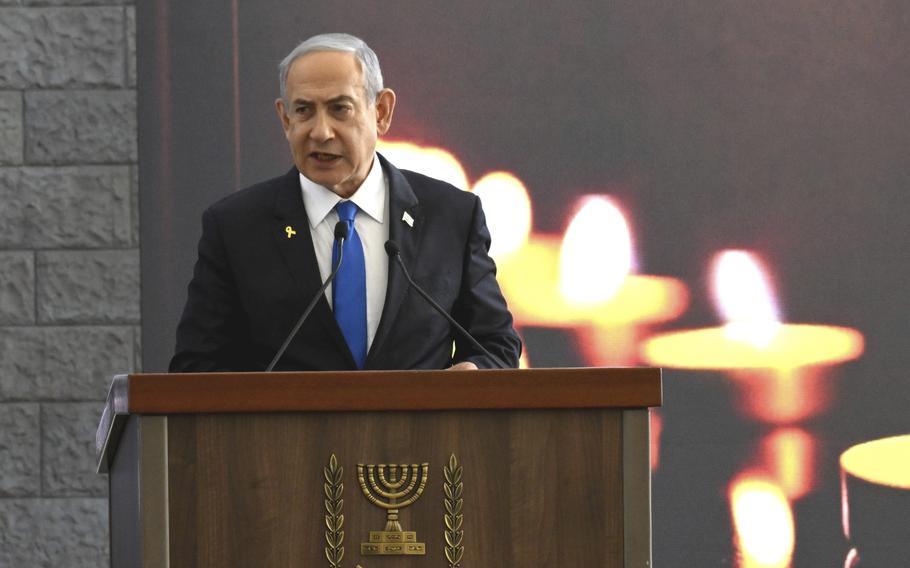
pixel 408 219
pixel 290 231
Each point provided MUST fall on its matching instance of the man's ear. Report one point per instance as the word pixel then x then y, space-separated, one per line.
pixel 282 114
pixel 385 107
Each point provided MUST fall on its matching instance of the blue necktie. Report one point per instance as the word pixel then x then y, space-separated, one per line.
pixel 349 291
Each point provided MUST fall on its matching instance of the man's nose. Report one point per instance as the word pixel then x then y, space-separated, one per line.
pixel 322 128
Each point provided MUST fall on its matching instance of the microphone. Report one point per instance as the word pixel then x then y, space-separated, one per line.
pixel 341 235
pixel 392 249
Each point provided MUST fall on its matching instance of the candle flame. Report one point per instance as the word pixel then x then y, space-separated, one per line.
pixel 745 298
pixel 523 361
pixel 434 162
pixel 790 457
pixel 763 523
pixel 507 207
pixel 596 253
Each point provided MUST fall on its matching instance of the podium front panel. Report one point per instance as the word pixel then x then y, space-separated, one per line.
pixel 540 487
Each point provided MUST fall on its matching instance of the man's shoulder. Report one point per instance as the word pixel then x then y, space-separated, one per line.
pixel 429 189
pixel 259 196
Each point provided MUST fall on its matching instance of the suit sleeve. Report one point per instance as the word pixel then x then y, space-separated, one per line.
pixel 480 306
pixel 210 335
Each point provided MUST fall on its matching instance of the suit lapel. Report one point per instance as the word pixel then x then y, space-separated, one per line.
pixel 291 231
pixel 403 205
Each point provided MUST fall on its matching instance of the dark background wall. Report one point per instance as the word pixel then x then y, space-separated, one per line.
pixel 774 126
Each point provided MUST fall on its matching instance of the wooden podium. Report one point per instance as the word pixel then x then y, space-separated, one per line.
pixel 524 468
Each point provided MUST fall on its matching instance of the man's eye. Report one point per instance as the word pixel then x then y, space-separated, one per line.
pixel 302 110
pixel 342 109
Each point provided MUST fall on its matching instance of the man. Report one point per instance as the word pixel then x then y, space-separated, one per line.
pixel 265 250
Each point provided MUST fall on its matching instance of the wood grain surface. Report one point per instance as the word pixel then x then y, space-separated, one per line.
pixel 394 390
pixel 542 488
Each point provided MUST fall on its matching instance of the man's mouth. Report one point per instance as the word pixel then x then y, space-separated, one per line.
pixel 324 157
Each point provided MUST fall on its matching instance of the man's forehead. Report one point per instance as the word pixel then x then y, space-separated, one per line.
pixel 305 97
pixel 325 67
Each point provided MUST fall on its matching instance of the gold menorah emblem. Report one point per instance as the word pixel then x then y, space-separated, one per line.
pixel 392 487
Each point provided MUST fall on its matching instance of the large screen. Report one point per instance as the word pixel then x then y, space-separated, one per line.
pixel 714 188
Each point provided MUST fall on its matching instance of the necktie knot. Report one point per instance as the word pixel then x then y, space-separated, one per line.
pixel 347 210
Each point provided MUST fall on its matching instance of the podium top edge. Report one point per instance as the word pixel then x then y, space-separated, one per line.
pixel 163 393
pixel 371 391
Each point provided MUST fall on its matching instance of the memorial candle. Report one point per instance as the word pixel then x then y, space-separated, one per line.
pixel 581 281
pixel 780 368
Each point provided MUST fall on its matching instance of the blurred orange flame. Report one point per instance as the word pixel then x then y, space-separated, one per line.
pixel 762 521
pixel 523 361
pixel 785 395
pixel 581 280
pixel 430 161
pixel 596 253
pixel 790 455
pixel 657 428
pixel 744 297
pixel 507 207
pixel 794 347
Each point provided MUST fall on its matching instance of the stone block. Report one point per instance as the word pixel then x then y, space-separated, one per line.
pixel 51 533
pixel 94 286
pixel 86 206
pixel 68 450
pixel 62 47
pixel 73 363
pixel 10 128
pixel 131 47
pixel 20 443
pixel 17 287
pixel 66 127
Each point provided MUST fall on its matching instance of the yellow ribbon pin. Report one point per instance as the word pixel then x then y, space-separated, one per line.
pixel 290 231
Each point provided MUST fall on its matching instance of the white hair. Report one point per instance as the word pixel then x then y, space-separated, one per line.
pixel 369 63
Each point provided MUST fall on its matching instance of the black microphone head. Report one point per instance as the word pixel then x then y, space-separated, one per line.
pixel 341 230
pixel 391 248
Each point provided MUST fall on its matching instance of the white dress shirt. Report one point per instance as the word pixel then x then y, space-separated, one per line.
pixel 371 224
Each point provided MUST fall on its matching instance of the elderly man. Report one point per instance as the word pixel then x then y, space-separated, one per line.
pixel 266 250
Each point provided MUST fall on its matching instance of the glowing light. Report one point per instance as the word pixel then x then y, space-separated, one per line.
pixel 759 340
pixel 529 282
pixel 581 281
pixel 779 367
pixel 875 498
pixel 657 427
pixel 523 361
pixel 763 523
pixel 852 559
pixel 596 254
pixel 507 207
pixel 427 160
pixel 745 298
pixel 789 455
pixel 883 462
pixel 794 345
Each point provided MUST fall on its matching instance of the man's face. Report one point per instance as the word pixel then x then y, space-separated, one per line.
pixel 328 121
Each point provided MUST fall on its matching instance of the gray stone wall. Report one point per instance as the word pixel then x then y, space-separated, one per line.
pixel 69 267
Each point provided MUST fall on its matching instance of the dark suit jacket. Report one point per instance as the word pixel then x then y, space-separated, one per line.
pixel 251 283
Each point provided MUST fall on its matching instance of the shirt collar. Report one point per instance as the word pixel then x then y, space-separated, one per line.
pixel 370 197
